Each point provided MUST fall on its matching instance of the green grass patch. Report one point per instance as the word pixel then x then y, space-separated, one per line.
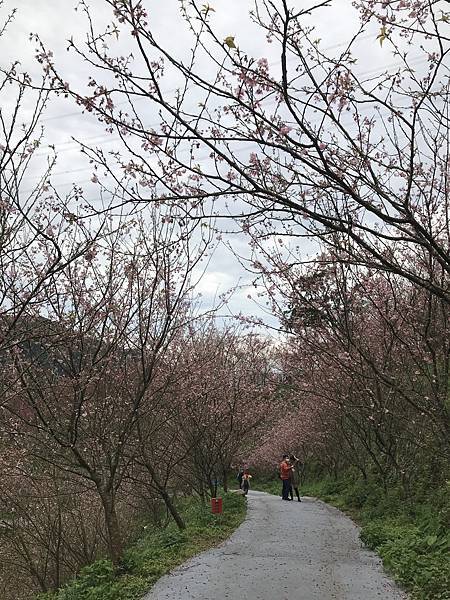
pixel 410 533
pixel 156 553
pixel 267 485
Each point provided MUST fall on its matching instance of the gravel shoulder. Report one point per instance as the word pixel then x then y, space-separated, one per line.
pixel 283 550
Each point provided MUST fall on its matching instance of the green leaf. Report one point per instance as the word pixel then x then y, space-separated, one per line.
pixel 229 41
pixel 382 35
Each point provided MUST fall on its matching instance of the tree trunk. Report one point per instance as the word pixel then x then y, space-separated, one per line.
pixel 114 536
pixel 58 549
pixel 166 497
pixel 225 479
pixel 171 508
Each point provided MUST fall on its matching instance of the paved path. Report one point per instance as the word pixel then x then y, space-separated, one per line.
pixel 283 550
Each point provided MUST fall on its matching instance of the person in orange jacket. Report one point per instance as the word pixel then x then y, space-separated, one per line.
pixel 285 476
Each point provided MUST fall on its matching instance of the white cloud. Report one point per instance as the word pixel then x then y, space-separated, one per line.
pixel 214 283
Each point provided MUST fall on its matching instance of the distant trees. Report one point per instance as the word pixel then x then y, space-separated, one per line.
pixel 368 365
pixel 228 381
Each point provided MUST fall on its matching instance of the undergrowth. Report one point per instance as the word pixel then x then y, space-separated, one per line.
pixel 157 552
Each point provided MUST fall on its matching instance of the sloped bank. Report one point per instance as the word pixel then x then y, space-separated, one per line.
pixel 411 534
pixel 157 552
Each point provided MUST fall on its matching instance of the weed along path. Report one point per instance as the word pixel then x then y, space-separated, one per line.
pixel 283 550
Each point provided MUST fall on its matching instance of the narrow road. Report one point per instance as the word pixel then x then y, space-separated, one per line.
pixel 283 550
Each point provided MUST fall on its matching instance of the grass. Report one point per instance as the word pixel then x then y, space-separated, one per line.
pixel 156 553
pixel 271 486
pixel 411 534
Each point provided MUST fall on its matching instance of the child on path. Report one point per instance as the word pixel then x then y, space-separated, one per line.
pixel 246 481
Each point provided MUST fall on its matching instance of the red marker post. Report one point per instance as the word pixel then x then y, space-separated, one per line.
pixel 216 506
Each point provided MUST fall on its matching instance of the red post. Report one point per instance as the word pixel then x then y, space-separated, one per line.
pixel 216 506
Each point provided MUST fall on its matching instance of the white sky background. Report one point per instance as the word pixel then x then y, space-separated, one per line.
pixel 56 21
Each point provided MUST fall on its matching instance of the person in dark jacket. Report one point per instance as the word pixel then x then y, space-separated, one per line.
pixel 295 479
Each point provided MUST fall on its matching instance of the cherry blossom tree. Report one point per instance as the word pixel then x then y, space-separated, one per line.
pixel 316 143
pixel 51 526
pixel 79 391
pixel 41 231
pixel 112 385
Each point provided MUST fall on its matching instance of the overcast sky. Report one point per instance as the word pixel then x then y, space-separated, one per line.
pixel 57 20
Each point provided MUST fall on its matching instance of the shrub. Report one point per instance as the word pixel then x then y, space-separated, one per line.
pixel 376 533
pixel 415 548
pixel 420 565
pixel 361 494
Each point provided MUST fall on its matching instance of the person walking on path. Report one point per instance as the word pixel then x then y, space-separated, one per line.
pixel 285 476
pixel 240 476
pixel 246 481
pixel 295 479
